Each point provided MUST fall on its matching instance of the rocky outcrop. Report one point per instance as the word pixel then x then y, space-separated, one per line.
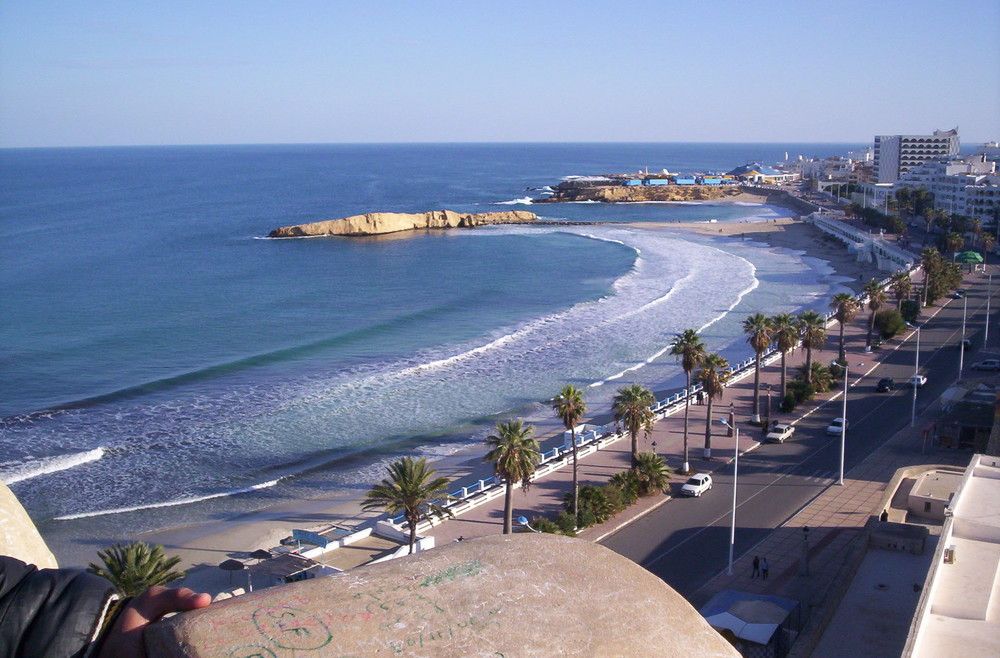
pixel 640 193
pixel 378 223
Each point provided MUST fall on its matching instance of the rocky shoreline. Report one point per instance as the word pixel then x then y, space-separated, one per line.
pixel 381 223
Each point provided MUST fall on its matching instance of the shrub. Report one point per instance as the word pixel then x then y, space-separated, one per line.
pixel 597 504
pixel 822 379
pixel 628 484
pixel 836 371
pixel 801 391
pixel 910 309
pixel 566 523
pixel 651 472
pixel 544 524
pixel 787 403
pixel 889 322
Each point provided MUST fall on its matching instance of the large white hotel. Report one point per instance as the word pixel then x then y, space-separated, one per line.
pixel 897 154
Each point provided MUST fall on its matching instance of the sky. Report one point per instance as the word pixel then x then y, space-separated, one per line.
pixel 88 73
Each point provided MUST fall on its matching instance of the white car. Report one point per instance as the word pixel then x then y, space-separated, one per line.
pixel 917 381
pixel 779 433
pixel 836 425
pixel 698 484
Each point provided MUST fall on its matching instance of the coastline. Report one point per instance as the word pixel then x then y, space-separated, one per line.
pixel 202 546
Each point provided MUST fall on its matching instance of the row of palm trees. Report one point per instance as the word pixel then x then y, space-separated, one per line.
pixel 416 491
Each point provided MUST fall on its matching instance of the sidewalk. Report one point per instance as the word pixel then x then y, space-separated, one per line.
pixel 836 520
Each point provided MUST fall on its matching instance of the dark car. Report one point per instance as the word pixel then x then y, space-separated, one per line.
pixel 885 384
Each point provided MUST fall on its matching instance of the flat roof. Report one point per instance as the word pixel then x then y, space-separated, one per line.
pixel 954 617
pixel 939 485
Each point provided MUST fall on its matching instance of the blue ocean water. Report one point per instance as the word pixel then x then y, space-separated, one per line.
pixel 150 328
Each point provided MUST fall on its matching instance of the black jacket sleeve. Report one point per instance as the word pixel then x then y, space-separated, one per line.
pixel 50 612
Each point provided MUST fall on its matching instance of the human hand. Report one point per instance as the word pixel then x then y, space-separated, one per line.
pixel 124 639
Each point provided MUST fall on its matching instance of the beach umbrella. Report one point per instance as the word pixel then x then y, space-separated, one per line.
pixel 261 554
pixel 231 566
pixel 968 257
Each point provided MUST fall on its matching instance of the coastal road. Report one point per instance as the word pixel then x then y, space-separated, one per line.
pixel 686 541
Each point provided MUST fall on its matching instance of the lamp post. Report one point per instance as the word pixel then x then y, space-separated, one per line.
pixel 913 382
pixel 736 470
pixel 986 328
pixel 767 417
pixel 804 558
pixel 961 346
pixel 843 429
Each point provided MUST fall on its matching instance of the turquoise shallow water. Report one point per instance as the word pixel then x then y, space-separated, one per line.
pixel 153 329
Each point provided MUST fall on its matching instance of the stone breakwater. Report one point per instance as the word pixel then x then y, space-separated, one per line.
pixel 379 223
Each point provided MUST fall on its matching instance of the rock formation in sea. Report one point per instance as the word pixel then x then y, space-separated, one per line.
pixel 577 191
pixel 378 223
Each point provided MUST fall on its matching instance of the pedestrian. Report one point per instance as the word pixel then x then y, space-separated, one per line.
pixel 764 568
pixel 756 567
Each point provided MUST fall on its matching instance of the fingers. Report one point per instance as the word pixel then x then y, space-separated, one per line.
pixel 125 638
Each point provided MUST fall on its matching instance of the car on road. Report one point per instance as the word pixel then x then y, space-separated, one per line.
pixel 988 364
pixel 779 433
pixel 917 381
pixel 698 484
pixel 837 425
pixel 885 384
pixel 958 294
pixel 966 344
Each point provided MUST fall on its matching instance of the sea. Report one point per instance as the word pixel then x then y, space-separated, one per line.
pixel 165 363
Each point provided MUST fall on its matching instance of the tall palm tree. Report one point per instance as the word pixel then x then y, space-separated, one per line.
pixel 570 407
pixel 988 241
pixel 713 376
pixel 514 453
pixel 845 309
pixel 931 263
pixel 631 406
pixel 412 488
pixel 134 568
pixel 812 328
pixel 757 327
pixel 900 287
pixel 691 349
pixel 785 335
pixel 876 300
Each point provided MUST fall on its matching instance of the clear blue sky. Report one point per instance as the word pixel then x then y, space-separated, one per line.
pixel 220 72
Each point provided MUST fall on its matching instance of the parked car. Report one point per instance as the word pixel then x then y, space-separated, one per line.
pixel 917 380
pixel 779 433
pixel 967 344
pixel 885 384
pixel 837 425
pixel 698 484
pixel 988 364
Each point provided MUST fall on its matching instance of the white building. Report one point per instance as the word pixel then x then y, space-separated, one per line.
pixel 897 154
pixel 966 185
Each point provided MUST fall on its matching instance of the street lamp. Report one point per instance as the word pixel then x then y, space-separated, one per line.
pixel 961 346
pixel 843 428
pixel 913 382
pixel 767 388
pixel 804 558
pixel 736 470
pixel 986 328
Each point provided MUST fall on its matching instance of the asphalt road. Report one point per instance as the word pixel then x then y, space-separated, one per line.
pixel 686 541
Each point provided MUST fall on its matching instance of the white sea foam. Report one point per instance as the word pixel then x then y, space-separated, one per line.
pixel 25 469
pixel 169 503
pixel 525 201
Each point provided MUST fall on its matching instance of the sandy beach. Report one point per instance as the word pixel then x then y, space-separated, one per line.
pixel 203 546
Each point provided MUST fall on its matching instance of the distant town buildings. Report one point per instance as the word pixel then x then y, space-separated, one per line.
pixel 895 155
pixel 966 185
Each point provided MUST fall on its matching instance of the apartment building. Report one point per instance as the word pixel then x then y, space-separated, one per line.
pixel 895 155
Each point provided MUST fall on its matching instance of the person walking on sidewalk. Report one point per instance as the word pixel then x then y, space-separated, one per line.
pixel 764 568
pixel 756 567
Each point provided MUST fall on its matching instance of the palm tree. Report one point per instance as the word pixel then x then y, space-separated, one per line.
pixel 758 330
pixel 651 473
pixel 691 349
pixel 812 328
pixel 413 489
pixel 631 406
pixel 713 377
pixel 988 242
pixel 845 308
pixel 134 568
pixel 786 336
pixel 876 299
pixel 930 262
pixel 900 287
pixel 570 407
pixel 514 453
